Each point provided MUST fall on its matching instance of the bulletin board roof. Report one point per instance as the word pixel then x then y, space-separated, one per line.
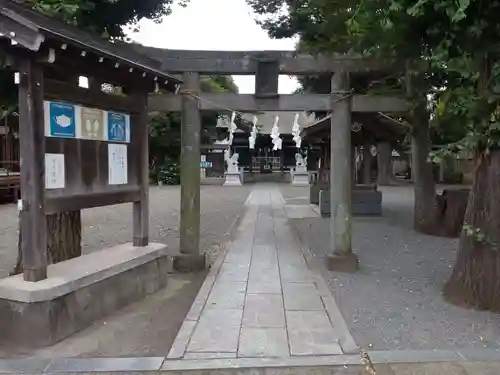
pixel 30 29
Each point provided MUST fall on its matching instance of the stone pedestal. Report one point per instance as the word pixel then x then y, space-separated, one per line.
pixel 300 176
pixel 314 190
pixel 300 179
pixel 79 291
pixel 366 201
pixel 342 263
pixel 185 263
pixel 232 179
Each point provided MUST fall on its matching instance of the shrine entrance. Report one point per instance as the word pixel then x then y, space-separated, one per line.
pixel 263 158
pixel 340 103
pixel 266 163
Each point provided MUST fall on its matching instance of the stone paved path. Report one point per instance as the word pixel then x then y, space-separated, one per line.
pixel 261 300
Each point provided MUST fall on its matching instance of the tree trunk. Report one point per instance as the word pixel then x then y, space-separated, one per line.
pixel 450 212
pixel 475 280
pixel 423 178
pixel 64 238
pixel 384 164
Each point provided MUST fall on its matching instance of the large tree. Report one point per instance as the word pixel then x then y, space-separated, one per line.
pixel 350 26
pixel 105 17
pixel 458 43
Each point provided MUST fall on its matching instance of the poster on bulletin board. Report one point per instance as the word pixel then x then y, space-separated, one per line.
pixel 117 163
pixel 118 127
pixel 60 120
pixel 64 120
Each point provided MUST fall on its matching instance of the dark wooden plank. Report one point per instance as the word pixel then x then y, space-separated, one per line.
pixel 141 165
pixel 87 164
pixel 27 36
pixel 32 149
pixel 190 168
pixel 106 71
pixel 55 90
pixel 97 199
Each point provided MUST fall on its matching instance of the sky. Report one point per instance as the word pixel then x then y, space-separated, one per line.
pixel 232 27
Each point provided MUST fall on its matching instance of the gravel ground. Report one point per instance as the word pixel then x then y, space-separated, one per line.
pixel 111 225
pixel 394 301
pixel 147 327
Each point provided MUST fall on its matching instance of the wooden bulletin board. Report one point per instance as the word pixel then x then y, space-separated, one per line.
pixel 84 136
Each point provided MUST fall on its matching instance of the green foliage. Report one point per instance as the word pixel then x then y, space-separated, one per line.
pixel 218 84
pixel 165 134
pixel 167 173
pixel 106 17
pixel 453 45
pixel 476 234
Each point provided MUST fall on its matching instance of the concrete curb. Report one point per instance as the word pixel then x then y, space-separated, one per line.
pixel 141 365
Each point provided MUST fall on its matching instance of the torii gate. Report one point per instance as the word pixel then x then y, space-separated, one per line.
pixel 267 66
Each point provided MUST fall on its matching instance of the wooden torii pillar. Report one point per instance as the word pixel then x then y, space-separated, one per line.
pixel 267 66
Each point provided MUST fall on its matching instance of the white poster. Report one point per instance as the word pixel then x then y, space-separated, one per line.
pixel 54 171
pixel 117 161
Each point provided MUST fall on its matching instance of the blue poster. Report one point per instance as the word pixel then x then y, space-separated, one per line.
pixel 117 127
pixel 62 120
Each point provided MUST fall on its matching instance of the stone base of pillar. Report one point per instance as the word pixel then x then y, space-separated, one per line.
pixel 300 179
pixel 185 263
pixel 233 179
pixel 342 263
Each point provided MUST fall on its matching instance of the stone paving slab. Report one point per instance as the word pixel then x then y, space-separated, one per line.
pixel 260 301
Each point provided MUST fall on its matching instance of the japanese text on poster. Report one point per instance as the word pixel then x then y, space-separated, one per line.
pixel 54 171
pixel 117 162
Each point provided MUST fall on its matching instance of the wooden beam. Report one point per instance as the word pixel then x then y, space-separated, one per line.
pixel 245 62
pixel 32 150
pixel 25 34
pixel 141 207
pixel 190 168
pixel 55 90
pixel 90 66
pixel 82 201
pixel 292 102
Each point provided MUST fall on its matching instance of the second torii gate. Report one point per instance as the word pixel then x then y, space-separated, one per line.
pixel 267 66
